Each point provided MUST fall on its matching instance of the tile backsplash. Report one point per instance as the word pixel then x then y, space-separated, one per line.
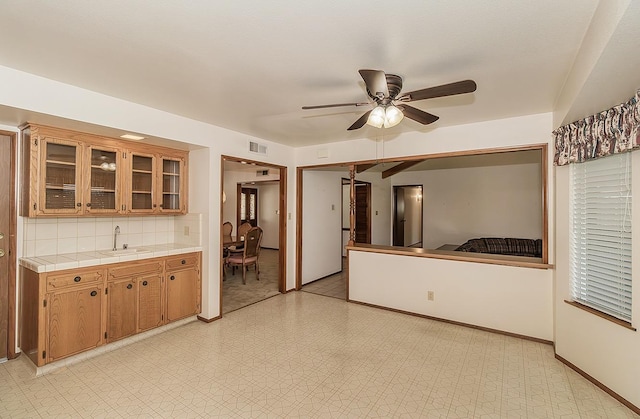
pixel 53 236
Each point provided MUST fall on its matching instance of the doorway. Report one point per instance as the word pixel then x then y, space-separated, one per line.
pixel 254 192
pixel 407 215
pixel 7 245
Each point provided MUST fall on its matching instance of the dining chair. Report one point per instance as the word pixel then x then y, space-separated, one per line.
pixel 250 253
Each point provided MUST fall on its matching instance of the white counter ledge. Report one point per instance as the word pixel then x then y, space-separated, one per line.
pixel 50 263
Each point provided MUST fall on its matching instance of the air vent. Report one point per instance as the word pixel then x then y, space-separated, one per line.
pixel 257 147
pixel 262 172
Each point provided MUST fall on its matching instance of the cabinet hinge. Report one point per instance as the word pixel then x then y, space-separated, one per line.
pixel 106 290
pixel 44 354
pixel 34 207
pixel 105 335
pixel 44 303
pixel 162 317
pixel 35 142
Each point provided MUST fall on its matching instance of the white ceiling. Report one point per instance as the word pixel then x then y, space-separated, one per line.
pixel 250 65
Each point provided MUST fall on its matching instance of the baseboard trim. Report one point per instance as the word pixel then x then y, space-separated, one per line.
pixel 205 320
pixel 601 386
pixel 472 326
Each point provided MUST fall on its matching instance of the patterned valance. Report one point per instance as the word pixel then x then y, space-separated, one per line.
pixel 615 130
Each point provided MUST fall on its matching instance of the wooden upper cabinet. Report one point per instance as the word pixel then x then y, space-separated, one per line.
pixel 156 183
pixel 60 177
pixel 173 184
pixel 102 174
pixel 67 173
pixel 141 183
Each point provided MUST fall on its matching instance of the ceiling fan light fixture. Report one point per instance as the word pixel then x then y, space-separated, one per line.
pixel 393 116
pixel 377 117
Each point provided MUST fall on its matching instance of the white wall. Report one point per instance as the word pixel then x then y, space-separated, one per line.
pixel 51 99
pixel 466 203
pixel 506 298
pixel 606 351
pixel 322 230
pixel 268 197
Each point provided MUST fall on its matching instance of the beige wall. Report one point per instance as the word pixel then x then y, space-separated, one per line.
pixel 466 203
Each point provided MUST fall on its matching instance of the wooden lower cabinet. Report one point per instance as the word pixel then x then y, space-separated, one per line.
pixel 121 309
pixel 66 312
pixel 150 302
pixel 181 295
pixel 74 321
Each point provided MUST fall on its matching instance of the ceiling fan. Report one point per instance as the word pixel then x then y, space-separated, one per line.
pixel 391 106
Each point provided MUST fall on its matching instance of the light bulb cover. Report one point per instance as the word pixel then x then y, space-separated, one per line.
pixel 376 117
pixel 393 116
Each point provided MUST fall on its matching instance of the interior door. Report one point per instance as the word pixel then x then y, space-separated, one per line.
pixel 398 218
pixel 5 224
pixel 363 213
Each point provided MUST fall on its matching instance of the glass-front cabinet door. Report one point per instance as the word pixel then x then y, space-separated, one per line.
pixel 60 177
pixel 103 194
pixel 173 178
pixel 142 183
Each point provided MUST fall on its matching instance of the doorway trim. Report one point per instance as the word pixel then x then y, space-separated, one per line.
pixel 11 254
pixel 282 219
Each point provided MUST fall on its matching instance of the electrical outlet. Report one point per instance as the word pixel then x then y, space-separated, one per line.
pixel 430 295
pixel 186 230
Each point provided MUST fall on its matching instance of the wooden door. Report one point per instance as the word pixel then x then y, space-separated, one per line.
pixel 363 213
pixel 121 309
pixel 149 302
pixel 6 229
pixel 60 177
pixel 74 321
pixel 182 294
pixel 247 206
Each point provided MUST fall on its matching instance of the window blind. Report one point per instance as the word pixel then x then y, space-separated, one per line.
pixel 601 234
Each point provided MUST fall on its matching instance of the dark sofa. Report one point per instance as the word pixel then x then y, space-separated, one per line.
pixel 506 246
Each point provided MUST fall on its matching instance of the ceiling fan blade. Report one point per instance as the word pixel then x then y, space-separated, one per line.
pixel 335 105
pixel 376 82
pixel 459 87
pixel 360 122
pixel 418 115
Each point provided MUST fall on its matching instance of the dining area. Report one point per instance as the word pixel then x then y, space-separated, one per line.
pixel 260 280
pixel 241 250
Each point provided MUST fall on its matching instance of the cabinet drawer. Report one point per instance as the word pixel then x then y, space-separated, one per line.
pixel 188 260
pixel 133 270
pixel 59 280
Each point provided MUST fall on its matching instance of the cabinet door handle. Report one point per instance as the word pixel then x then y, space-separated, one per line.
pixel 78 205
pixel 144 283
pixel 89 204
pixel 129 286
pixel 77 279
pixel 183 261
pixel 154 205
pixel 94 293
pixel 172 277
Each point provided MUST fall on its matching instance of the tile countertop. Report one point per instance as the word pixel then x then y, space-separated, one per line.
pixel 52 263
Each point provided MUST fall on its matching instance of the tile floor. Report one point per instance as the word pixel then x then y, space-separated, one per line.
pixel 304 355
pixel 331 286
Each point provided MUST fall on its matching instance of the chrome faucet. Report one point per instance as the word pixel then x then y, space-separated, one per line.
pixel 115 237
